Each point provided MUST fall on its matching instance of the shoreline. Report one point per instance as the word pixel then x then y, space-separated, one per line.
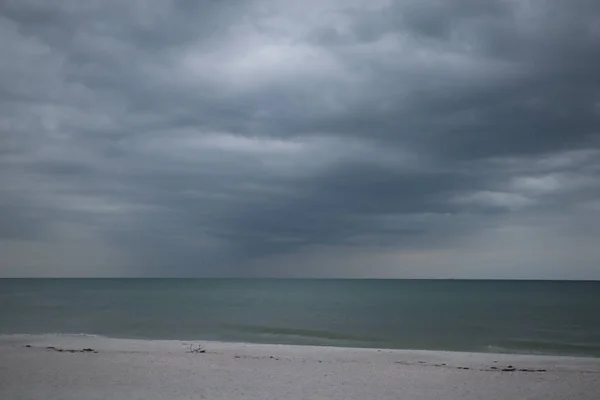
pixel 73 367
pixel 475 360
pixel 75 336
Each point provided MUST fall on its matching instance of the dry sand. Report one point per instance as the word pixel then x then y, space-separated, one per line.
pixel 137 369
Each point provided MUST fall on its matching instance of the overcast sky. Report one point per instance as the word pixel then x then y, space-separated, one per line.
pixel 316 138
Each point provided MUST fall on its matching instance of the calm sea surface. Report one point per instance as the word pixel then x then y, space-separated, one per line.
pixel 534 317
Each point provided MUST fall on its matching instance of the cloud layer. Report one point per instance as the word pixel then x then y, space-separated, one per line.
pixel 277 138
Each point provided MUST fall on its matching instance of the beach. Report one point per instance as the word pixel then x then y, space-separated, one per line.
pixel 88 367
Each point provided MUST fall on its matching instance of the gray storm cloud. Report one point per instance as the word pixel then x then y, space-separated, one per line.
pixel 334 138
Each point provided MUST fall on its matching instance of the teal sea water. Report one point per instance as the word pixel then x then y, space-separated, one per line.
pixel 535 317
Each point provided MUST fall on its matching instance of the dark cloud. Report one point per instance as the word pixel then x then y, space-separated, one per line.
pixel 229 138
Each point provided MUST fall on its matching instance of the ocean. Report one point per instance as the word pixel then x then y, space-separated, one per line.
pixel 531 317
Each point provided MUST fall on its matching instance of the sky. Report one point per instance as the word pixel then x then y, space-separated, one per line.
pixel 317 138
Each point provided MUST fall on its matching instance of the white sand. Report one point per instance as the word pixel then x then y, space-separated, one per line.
pixel 136 369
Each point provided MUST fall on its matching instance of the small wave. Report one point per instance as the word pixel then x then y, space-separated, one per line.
pixel 545 348
pixel 77 335
pixel 304 333
pixel 53 334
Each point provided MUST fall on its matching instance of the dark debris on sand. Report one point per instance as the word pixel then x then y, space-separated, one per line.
pixel 508 368
pixel 72 350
